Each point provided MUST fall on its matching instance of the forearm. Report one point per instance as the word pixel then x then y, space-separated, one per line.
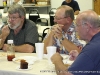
pixel 60 68
pixel 68 45
pixel 3 38
pixel 26 48
pixel 48 42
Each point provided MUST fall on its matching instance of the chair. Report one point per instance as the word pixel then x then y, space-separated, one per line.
pixel 51 15
pixel 40 38
pixel 33 15
pixel 42 21
pixel 44 33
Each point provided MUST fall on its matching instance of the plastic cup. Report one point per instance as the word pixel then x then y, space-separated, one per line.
pixel 50 51
pixel 39 50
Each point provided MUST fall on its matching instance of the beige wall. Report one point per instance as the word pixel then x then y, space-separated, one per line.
pixel 85 4
pixel 1 4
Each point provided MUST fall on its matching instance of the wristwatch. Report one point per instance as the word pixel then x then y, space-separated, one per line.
pixel 61 39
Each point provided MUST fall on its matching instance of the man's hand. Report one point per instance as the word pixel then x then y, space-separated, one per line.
pixel 57 31
pixel 5 47
pixel 59 65
pixel 73 54
pixel 56 58
pixel 5 31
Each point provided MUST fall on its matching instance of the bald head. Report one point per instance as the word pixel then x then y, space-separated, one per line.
pixel 89 16
pixel 88 24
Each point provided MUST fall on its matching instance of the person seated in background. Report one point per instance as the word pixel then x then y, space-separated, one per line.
pixel 62 35
pixel 87 62
pixel 22 31
pixel 17 2
pixel 74 4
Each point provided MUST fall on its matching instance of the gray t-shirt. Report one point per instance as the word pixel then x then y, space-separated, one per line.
pixel 27 35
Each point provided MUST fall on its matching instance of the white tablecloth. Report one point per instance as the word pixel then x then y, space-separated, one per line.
pixel 13 73
pixel 40 67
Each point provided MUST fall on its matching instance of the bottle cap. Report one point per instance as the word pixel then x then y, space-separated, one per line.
pixel 10 41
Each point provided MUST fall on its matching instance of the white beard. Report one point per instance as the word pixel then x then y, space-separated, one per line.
pixel 14 27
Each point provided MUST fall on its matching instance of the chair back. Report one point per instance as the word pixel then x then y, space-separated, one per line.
pixel 51 15
pixel 40 38
pixel 42 21
pixel 33 15
pixel 44 33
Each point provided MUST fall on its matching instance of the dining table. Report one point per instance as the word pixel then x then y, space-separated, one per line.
pixel 38 67
pixel 35 67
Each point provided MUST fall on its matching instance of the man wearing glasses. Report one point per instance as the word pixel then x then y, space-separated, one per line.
pixel 62 35
pixel 21 30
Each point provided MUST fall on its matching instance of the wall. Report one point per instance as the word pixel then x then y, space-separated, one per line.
pixel 84 4
pixel 56 3
pixel 1 4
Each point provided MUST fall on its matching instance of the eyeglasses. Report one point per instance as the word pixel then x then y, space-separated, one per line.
pixel 56 18
pixel 83 24
pixel 12 18
pixel 77 25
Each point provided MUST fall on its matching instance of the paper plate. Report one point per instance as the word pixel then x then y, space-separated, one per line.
pixel 18 68
pixel 29 59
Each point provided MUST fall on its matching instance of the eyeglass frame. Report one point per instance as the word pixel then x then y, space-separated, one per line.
pixel 80 24
pixel 59 18
pixel 13 18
